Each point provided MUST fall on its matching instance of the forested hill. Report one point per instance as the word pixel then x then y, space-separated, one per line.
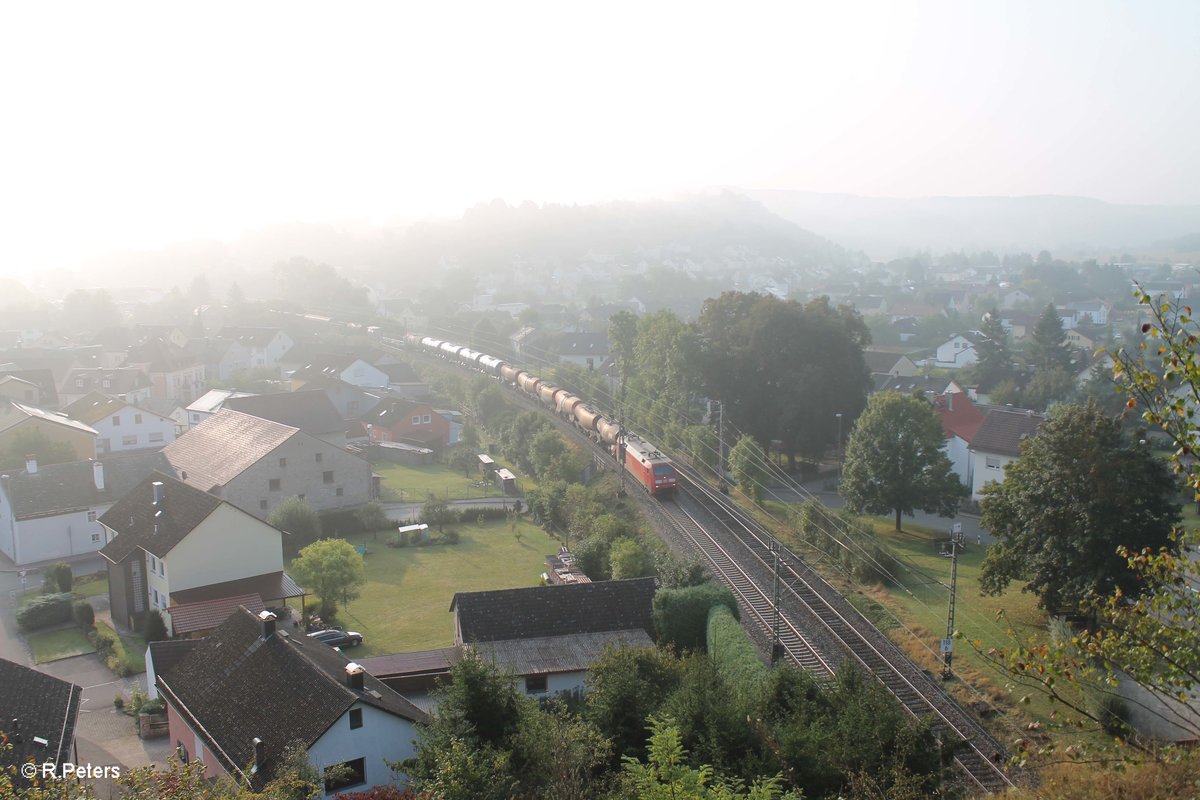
pixel 704 228
pixel 887 227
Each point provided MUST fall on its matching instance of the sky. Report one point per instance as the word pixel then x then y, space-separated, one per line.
pixel 137 124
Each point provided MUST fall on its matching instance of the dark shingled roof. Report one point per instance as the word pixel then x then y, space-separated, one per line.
pixel 237 686
pixel 224 446
pixel 167 653
pixel 156 529
pixel 1003 431
pixel 414 663
pixel 60 488
pixel 399 373
pixel 120 380
pixel 251 337
pixel 41 378
pixel 311 411
pixel 45 707
pixel 555 610
pixel 390 411
pixel 161 356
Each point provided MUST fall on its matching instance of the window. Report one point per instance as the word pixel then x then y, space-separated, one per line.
pixel 426 419
pixel 153 562
pixel 162 568
pixel 355 718
pixel 535 684
pixel 327 476
pixel 352 773
pixel 195 416
pixel 107 383
pixel 79 383
pixel 417 420
pixel 339 491
pixel 319 457
pixel 129 440
pixel 283 462
pixel 155 593
pixel 273 484
pixel 992 462
pixel 92 516
pixel 262 504
pixel 116 421
pixel 95 537
pixel 137 419
pixel 156 436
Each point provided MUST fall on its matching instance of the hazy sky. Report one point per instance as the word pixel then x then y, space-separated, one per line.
pixel 135 124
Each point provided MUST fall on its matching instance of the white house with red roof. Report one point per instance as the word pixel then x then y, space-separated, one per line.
pixel 961 419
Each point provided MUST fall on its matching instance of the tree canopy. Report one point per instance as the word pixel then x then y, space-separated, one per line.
pixel 332 569
pixel 1080 489
pixel 894 461
pixel 1048 347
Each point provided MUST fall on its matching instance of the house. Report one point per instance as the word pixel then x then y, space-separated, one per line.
pixel 958 351
pixel 588 350
pixel 1088 312
pixel 171 334
pixel 1080 339
pixel 120 426
pixel 18 419
pixel 997 442
pixel 343 367
pixel 21 390
pixel 40 712
pixel 350 401
pixel 50 511
pixel 925 384
pixel 404 381
pixel 248 691
pixel 1015 298
pixel 128 383
pixel 960 421
pixel 256 464
pixel 175 373
pixel 1018 325
pixel 265 347
pixel 168 544
pixel 880 362
pixel 46 394
pixel 210 403
pixel 310 411
pixel 399 420
pixel 548 636
pixel 164 654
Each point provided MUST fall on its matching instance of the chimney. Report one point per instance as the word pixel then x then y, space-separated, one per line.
pixel 159 492
pixel 260 753
pixel 98 475
pixel 268 624
pixel 31 463
pixel 354 675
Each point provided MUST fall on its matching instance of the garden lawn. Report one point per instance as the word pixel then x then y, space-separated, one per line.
pixel 91 585
pixel 54 645
pixel 415 484
pixel 405 603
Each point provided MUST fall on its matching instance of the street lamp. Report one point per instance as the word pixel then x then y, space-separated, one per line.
pixel 839 443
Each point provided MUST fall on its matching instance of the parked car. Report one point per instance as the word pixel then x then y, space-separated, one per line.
pixel 336 637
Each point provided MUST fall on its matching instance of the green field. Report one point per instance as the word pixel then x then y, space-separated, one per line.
pixel 405 603
pixel 416 484
pixel 53 645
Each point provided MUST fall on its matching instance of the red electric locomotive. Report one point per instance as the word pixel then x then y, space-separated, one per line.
pixel 652 469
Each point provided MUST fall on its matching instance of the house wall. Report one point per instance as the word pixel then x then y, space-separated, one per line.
pixel 82 443
pixel 184 385
pixel 121 592
pixel 404 426
pixel 960 458
pixel 57 536
pixel 382 737
pixel 301 475
pixel 982 474
pixel 182 735
pixel 112 437
pixel 956 353
pixel 8 544
pixel 228 545
pixel 22 392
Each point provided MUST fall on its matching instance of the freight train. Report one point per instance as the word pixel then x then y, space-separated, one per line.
pixel 645 462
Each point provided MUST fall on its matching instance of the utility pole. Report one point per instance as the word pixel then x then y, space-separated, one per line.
pixel 721 447
pixel 955 543
pixel 621 432
pixel 776 644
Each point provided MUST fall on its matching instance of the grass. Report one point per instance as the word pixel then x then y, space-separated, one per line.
pixel 54 645
pixel 405 603
pixel 85 586
pixel 415 484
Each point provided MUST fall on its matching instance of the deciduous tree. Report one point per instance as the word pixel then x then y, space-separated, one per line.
pixel 331 568
pixel 748 463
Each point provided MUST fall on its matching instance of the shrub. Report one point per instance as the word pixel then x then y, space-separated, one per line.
pixel 85 615
pixel 153 627
pixel 681 615
pixel 298 518
pixel 49 582
pixel 451 537
pixel 112 649
pixel 372 517
pixel 63 577
pixel 44 611
pixel 1113 712
pixel 733 654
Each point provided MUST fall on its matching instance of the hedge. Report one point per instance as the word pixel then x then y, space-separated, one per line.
pixel 112 649
pixel 47 610
pixel 681 615
pixel 732 652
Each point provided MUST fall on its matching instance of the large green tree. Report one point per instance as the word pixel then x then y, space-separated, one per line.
pixel 894 461
pixel 748 463
pixel 331 568
pixel 1048 346
pixel 296 517
pixel 995 363
pixel 1080 489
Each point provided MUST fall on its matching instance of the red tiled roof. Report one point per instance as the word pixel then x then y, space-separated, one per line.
pixel 207 614
pixel 960 417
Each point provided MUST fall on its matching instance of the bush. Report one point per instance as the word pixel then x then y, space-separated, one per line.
pixel 681 615
pixel 450 537
pixel 1113 712
pixel 373 518
pixel 49 582
pixel 44 611
pixel 733 654
pixel 153 627
pixel 112 650
pixel 298 518
pixel 342 522
pixel 63 576
pixel 84 614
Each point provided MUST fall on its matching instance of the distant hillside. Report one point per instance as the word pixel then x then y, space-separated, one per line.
pixel 708 227
pixel 1066 226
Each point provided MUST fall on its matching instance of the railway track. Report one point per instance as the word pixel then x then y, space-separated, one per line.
pixel 744 549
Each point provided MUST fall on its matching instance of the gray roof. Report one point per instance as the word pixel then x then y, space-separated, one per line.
pixel 155 528
pixel 569 653
pixel 62 488
pixel 237 685
pixel 15 413
pixel 224 446
pixel 251 337
pixel 120 379
pixel 312 411
pixel 414 663
pixel 44 708
pixel 1003 431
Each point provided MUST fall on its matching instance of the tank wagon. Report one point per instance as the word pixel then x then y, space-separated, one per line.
pixel 652 469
